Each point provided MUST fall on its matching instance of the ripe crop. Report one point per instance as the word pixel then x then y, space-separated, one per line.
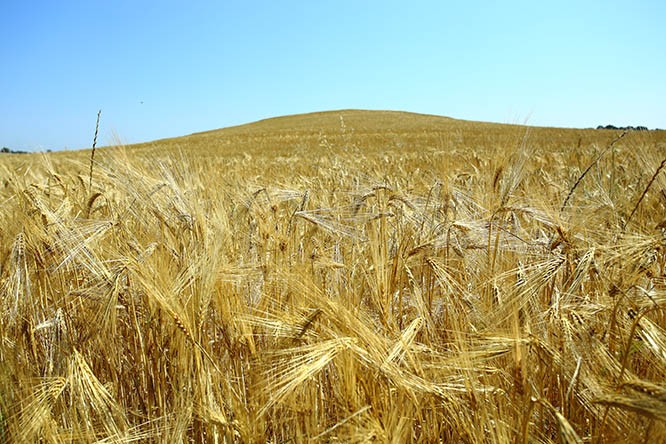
pixel 339 277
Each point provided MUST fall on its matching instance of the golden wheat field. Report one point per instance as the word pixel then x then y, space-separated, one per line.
pixel 344 277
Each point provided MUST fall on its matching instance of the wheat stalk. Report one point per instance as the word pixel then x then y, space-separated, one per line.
pixel 92 153
pixel 587 170
pixel 647 187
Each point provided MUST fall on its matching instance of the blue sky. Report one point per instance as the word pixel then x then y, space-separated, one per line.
pixel 163 69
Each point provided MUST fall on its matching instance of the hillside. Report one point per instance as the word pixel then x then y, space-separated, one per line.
pixel 362 121
pixel 371 130
pixel 329 128
pixel 349 276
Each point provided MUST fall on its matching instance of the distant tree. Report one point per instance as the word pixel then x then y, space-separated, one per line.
pixel 6 150
pixel 626 128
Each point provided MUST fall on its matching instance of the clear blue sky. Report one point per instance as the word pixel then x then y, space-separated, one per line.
pixel 162 69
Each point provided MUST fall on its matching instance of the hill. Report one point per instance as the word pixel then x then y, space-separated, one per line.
pixel 371 130
pixel 347 276
pixel 362 120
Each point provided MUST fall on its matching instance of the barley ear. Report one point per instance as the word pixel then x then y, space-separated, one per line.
pixel 92 153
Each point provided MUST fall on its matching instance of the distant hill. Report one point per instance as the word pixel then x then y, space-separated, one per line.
pixel 347 121
pixel 358 120
pixel 364 129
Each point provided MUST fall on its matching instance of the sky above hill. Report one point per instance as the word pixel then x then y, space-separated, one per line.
pixel 163 69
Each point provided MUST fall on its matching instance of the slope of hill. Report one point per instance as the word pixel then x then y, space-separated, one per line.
pixel 360 120
pixel 377 130
pixel 348 276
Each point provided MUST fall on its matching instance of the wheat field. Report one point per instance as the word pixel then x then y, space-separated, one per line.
pixel 338 277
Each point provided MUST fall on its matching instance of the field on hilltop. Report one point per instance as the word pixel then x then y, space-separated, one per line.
pixel 346 276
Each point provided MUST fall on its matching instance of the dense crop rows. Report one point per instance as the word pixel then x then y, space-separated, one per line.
pixel 449 289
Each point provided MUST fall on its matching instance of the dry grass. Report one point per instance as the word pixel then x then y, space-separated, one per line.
pixel 360 277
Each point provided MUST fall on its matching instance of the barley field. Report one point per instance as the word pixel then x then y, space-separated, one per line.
pixel 337 277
